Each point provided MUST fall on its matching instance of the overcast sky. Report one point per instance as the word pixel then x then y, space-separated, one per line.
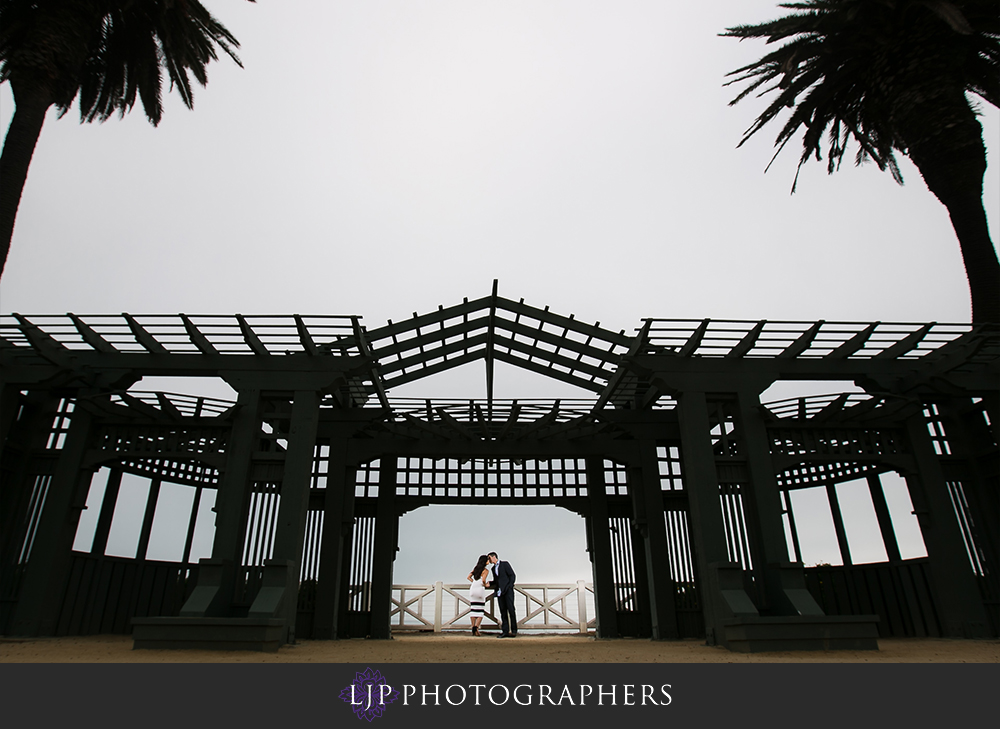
pixel 382 157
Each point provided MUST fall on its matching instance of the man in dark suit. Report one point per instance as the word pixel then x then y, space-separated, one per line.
pixel 503 580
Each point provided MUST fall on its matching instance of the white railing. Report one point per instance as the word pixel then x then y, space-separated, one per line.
pixel 440 607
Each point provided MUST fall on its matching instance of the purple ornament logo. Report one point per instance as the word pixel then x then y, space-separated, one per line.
pixel 369 694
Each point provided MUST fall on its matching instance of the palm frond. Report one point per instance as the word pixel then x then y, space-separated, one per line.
pixel 864 71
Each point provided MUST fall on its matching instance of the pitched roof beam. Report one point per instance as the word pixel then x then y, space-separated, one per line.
pixel 250 337
pixel 305 337
pixel 391 328
pixel 549 371
pixel 359 336
pixel 197 338
pixel 456 425
pixel 143 337
pixel 399 347
pixel 853 344
pixel 638 344
pixel 555 340
pixel 95 340
pixel 168 407
pixel 543 355
pixel 42 342
pixel 906 344
pixel 415 362
pixel 803 342
pixel 832 408
pixel 424 425
pixel 748 341
pixel 490 343
pixel 540 423
pixel 484 422
pixel 515 410
pixel 404 377
pixel 619 338
pixel 694 341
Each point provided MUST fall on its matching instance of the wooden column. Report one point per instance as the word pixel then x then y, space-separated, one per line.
pixel 650 519
pixel 27 437
pixel 956 594
pixel 147 519
pixel 702 485
pixel 294 502
pixel 600 550
pixel 767 533
pixel 108 504
pixel 216 597
pixel 970 440
pixel 386 528
pixel 884 519
pixel 338 508
pixel 838 524
pixel 41 595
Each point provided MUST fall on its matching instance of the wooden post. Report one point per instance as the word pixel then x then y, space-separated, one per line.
pixel 40 599
pixel 386 524
pixel 294 502
pixel 337 504
pixel 600 550
pixel 108 504
pixel 838 524
pixel 702 485
pixel 647 494
pixel 147 519
pixel 215 599
pixel 767 533
pixel 884 519
pixel 957 598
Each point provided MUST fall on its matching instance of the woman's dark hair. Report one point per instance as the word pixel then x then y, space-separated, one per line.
pixel 477 571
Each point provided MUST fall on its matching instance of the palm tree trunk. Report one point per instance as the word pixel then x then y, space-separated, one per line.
pixel 18 148
pixel 952 164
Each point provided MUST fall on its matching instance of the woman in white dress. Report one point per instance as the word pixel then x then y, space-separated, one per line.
pixel 477 592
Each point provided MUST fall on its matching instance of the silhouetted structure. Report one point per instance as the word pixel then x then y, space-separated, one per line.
pixel 682 475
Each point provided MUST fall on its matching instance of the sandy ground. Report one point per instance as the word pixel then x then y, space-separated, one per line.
pixel 456 648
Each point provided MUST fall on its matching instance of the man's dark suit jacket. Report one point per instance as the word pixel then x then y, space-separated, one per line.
pixel 504 576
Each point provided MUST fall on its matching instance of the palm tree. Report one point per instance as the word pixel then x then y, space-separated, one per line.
pixel 107 52
pixel 891 75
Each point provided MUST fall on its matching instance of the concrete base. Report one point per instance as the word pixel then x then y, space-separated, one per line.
pixel 801 633
pixel 218 634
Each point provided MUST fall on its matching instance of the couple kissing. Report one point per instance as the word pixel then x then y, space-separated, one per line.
pixel 492 573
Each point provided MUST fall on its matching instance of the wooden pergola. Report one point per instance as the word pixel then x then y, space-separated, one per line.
pixel 682 475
